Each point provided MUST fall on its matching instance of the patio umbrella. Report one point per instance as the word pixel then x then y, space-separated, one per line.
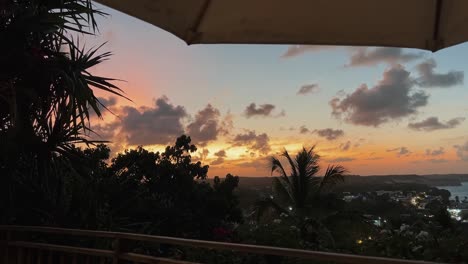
pixel 423 24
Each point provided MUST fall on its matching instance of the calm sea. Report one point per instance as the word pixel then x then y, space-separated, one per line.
pixel 460 191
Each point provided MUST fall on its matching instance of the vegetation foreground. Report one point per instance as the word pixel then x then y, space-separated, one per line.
pixel 47 99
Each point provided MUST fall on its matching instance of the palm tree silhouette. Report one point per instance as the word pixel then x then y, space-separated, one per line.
pixel 298 193
pixel 301 185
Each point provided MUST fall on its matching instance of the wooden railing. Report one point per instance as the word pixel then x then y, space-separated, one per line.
pixel 29 244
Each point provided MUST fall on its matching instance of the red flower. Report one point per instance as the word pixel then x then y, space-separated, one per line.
pixel 221 233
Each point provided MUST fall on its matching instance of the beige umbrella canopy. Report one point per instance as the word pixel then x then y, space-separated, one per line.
pixel 423 24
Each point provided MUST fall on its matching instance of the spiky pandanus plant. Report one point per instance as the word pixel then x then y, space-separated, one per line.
pixel 46 95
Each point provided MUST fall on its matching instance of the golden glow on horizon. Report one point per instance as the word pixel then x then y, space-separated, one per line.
pixel 365 160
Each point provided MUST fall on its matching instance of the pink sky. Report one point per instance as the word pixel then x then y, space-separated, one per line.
pixel 373 110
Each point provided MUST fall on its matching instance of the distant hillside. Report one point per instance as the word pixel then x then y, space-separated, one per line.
pixel 251 188
pixel 429 180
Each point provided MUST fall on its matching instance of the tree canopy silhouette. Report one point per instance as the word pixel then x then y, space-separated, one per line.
pixel 46 96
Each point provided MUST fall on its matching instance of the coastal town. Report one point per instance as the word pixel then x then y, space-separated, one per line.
pixel 421 202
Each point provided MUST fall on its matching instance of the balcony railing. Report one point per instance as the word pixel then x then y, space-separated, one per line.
pixel 23 244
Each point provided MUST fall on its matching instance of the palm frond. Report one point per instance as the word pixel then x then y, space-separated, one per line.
pixel 262 206
pixel 292 163
pixel 277 167
pixel 297 185
pixel 282 190
pixel 333 175
pixel 313 162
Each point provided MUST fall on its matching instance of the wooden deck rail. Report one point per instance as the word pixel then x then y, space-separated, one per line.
pixel 17 251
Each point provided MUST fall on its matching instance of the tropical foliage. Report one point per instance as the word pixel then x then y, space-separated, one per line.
pixel 51 173
pixel 46 97
pixel 302 195
pixel 301 185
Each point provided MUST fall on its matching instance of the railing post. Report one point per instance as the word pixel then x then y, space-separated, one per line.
pixel 7 247
pixel 117 248
pixel 20 257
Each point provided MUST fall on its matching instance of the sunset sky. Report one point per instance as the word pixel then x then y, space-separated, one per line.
pixel 373 110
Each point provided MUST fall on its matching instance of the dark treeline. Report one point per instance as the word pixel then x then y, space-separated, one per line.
pixel 138 191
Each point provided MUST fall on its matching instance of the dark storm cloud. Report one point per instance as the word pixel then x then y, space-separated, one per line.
pixel 392 98
pixel 160 124
pixel 206 127
pixel 329 133
pixel 462 151
pixel 374 56
pixel 435 152
pixel 402 151
pixel 433 123
pixel 428 78
pixel 264 110
pixel 260 142
pixel 308 88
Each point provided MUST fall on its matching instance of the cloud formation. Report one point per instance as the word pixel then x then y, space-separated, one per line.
pixel 308 89
pixel 104 105
pixel 345 146
pixel 220 156
pixel 428 78
pixel 304 130
pixel 373 56
pixel 264 110
pixel 296 50
pixel 108 102
pixel 433 123
pixel 401 151
pixel 206 127
pixel 202 155
pixel 435 152
pixel 360 56
pixel 392 98
pixel 341 159
pixel 160 124
pixel 260 142
pixel 437 160
pixel 462 151
pixel 329 133
pixel 104 131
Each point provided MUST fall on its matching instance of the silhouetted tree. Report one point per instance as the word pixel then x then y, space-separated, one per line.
pixel 301 186
pixel 46 99
pixel 165 193
pixel 300 193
